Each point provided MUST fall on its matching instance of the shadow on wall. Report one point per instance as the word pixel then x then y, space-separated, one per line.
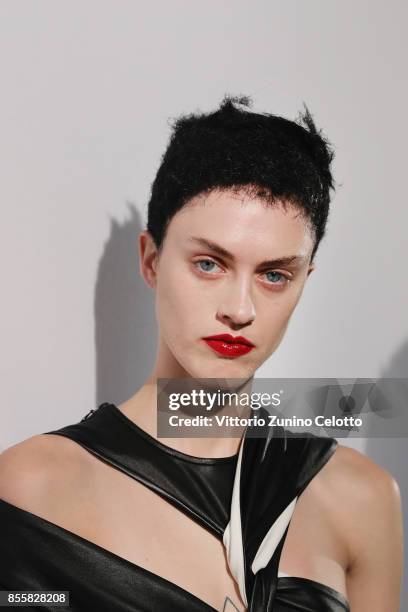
pixel 125 326
pixel 392 453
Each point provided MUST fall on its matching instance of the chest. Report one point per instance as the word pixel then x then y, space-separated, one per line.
pixel 129 519
pixel 126 517
pixel 134 522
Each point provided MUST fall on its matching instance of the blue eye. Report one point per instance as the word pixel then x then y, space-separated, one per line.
pixel 207 264
pixel 274 275
pixel 274 278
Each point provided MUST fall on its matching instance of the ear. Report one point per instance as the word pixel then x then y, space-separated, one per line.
pixel 148 258
pixel 310 269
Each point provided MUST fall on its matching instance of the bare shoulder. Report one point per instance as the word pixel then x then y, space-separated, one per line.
pixel 363 497
pixel 33 470
pixel 358 478
pixel 349 483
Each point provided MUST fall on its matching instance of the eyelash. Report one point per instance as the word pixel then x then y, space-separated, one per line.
pixel 287 280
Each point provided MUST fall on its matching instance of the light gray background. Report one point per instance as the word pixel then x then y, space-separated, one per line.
pixel 87 88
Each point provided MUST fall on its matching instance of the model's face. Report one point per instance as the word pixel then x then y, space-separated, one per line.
pixel 202 291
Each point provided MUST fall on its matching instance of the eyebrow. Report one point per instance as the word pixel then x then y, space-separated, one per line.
pixel 213 246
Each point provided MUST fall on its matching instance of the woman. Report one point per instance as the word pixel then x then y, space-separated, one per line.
pixel 123 521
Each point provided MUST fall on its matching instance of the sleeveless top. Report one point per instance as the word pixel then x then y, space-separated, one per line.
pixel 245 500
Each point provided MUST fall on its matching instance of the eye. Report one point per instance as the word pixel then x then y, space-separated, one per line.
pixel 207 265
pixel 274 278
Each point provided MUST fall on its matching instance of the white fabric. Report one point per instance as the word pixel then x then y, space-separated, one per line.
pixel 272 538
pixel 232 537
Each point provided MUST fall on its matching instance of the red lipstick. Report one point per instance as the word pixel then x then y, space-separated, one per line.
pixel 228 345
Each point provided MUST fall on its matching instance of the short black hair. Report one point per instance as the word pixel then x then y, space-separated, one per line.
pixel 265 155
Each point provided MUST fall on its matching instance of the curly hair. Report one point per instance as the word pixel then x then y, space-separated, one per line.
pixel 264 155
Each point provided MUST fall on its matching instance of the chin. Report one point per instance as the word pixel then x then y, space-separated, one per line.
pixel 222 368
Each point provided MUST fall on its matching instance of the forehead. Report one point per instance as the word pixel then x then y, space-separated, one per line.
pixel 242 224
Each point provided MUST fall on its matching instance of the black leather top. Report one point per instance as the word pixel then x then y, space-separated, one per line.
pixel 39 555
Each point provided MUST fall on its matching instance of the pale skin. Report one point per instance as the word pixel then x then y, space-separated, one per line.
pixel 346 530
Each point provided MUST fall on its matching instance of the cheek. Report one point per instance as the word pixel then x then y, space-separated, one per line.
pixel 177 302
pixel 278 312
pixel 183 292
pixel 167 307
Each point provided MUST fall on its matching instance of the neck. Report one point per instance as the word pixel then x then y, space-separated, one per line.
pixel 141 408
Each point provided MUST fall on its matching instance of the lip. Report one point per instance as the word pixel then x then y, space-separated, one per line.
pixel 228 345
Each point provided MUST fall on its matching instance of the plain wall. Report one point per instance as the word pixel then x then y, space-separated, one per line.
pixel 87 88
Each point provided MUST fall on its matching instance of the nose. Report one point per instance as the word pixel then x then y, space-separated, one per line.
pixel 237 308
